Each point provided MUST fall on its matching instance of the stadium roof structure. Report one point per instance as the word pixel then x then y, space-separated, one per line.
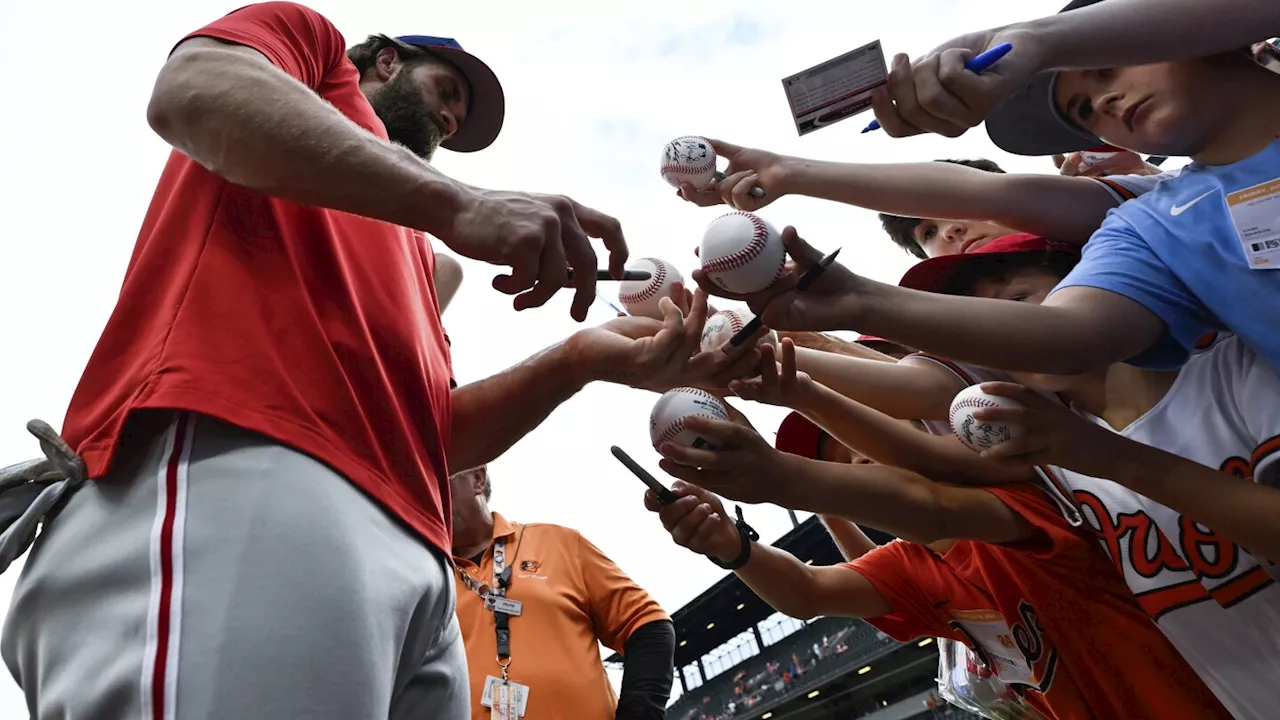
pixel 729 607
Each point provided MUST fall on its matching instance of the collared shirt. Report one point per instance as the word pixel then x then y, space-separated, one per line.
pixel 573 599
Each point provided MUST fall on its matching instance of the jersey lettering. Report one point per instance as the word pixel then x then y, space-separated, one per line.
pixel 1208 567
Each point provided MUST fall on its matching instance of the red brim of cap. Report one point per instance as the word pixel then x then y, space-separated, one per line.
pixel 798 436
pixel 932 275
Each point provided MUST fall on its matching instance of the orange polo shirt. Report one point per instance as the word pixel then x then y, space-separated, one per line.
pixel 573 596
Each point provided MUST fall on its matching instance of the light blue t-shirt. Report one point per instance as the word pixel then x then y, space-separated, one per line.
pixel 1176 251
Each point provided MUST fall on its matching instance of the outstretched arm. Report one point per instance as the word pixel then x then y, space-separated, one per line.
pixel 208 103
pixel 1066 208
pixel 896 501
pixel 914 391
pixel 848 537
pixel 1137 32
pixel 698 521
pixel 1241 510
pixel 1063 208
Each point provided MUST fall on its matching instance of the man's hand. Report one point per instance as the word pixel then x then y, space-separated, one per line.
pixel 1123 162
pixel 937 94
pixel 746 469
pixel 1051 434
pixel 539 237
pixel 779 383
pixel 748 168
pixel 656 355
pixel 825 305
pixel 697 521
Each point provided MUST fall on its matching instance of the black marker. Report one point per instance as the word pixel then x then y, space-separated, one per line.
pixel 604 276
pixel 807 279
pixel 665 496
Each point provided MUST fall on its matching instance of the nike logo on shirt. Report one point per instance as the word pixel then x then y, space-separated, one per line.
pixel 1177 210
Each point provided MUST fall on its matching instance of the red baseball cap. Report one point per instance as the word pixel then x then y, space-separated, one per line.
pixel 932 275
pixel 798 436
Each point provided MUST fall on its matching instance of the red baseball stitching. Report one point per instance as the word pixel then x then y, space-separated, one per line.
pixel 687 169
pixel 735 321
pixel 677 426
pixel 969 402
pixel 744 256
pixel 648 291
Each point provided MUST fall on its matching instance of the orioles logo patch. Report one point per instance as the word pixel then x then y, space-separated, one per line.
pixel 530 566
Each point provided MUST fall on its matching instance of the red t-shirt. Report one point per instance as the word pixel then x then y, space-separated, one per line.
pixel 316 328
pixel 1050 613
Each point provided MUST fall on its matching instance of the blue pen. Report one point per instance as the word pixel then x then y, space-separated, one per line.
pixel 977 65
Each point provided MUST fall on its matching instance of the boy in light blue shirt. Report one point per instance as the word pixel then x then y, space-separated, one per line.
pixel 1198 253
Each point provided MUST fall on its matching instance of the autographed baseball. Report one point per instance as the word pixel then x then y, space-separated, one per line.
pixel 641 297
pixel 975 434
pixel 725 324
pixel 742 253
pixel 666 422
pixel 689 159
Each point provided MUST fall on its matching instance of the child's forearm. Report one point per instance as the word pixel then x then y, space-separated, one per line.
pixel 882 439
pixel 1139 32
pixel 1240 510
pixel 848 537
pixel 906 391
pixel 793 588
pixel 1076 330
pixel 1064 208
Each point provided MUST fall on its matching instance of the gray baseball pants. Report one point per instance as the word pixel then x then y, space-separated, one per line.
pixel 216 574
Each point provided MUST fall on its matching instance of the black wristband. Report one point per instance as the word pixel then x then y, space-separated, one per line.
pixel 746 536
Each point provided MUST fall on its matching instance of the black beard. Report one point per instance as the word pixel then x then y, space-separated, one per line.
pixel 408 122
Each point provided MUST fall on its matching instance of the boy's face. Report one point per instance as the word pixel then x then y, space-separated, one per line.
pixel 1161 109
pixel 1029 285
pixel 938 237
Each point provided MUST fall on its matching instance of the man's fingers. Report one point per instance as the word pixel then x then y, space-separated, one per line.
pixel 651 501
pixel 579 254
pixel 1058 160
pixel 609 230
pixel 800 251
pixel 524 257
pixel 705 197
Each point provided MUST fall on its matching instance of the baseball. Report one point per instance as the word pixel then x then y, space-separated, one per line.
pixel 689 159
pixel 742 253
pixel 977 435
pixel 641 297
pixel 722 326
pixel 666 422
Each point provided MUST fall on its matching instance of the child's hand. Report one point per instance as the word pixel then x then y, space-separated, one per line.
pixel 779 383
pixel 827 304
pixel 697 521
pixel 748 168
pixel 746 469
pixel 1051 434
pixel 1123 162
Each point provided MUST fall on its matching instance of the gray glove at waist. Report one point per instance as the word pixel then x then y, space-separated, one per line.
pixel 31 489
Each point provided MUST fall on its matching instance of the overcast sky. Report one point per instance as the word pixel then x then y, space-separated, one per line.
pixel 592 96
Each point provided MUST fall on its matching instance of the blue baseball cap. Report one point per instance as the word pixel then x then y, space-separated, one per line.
pixel 488 104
